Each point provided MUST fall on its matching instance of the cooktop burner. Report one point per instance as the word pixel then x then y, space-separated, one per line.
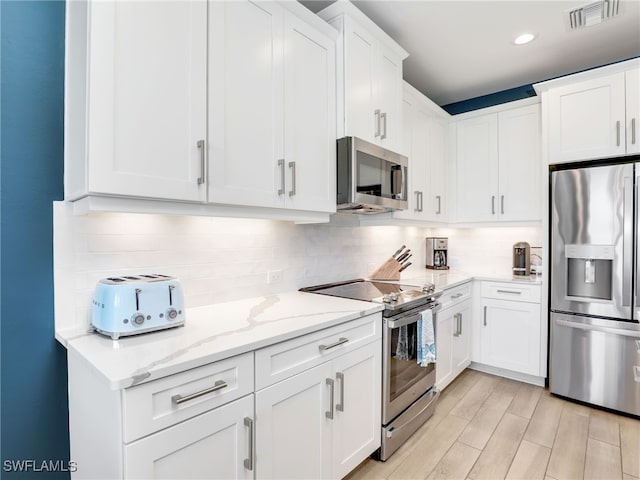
pixel 395 297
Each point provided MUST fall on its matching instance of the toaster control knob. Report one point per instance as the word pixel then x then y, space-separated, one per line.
pixel 172 314
pixel 137 319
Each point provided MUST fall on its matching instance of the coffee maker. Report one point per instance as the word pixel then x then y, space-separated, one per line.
pixel 436 257
pixel 521 258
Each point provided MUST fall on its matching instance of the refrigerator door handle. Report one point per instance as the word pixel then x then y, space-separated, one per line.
pixel 627 241
pixel 597 328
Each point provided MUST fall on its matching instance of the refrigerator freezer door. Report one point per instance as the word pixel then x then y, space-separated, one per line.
pixel 596 361
pixel 591 241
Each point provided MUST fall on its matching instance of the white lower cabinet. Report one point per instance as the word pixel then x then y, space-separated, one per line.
pixel 322 422
pixel 212 445
pixel 308 407
pixel 453 335
pixel 510 329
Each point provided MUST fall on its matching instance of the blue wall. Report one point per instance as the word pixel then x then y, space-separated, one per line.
pixel 33 365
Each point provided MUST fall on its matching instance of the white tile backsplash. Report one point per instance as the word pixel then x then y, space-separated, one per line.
pixel 225 259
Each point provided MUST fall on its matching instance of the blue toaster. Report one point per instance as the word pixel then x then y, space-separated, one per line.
pixel 134 304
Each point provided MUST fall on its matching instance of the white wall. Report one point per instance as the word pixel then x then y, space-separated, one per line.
pixel 223 259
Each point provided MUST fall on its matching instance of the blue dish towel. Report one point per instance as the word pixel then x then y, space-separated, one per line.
pixel 426 339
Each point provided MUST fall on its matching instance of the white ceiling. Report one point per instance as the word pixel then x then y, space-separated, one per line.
pixel 460 49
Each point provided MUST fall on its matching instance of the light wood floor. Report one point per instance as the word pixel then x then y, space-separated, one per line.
pixel 487 427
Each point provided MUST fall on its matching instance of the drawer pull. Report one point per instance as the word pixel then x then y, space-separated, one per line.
pixel 512 292
pixel 219 385
pixel 457 295
pixel 340 341
pixel 485 315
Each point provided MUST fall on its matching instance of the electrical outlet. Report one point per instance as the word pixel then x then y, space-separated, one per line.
pixel 274 276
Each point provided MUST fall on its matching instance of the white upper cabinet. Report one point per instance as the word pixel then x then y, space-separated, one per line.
pixel 369 78
pixel 519 158
pixel 593 114
pixel 477 168
pixel 425 133
pixel 499 166
pixel 632 83
pixel 272 127
pixel 135 99
pixel 215 103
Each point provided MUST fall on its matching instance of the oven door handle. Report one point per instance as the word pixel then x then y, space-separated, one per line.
pixel 435 393
pixel 412 318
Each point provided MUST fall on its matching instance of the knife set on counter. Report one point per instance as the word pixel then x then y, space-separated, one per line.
pixel 129 305
pixel 390 270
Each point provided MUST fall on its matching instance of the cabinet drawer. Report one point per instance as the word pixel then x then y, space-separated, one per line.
pixel 511 291
pixel 159 404
pixel 282 360
pixel 453 296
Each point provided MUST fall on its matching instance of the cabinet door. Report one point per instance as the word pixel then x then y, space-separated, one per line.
pixel 520 164
pixel 510 335
pixel 477 169
pixel 356 426
pixel 147 101
pixel 587 119
pixel 413 182
pixel 212 445
pixel 359 87
pixel 310 117
pixel 632 85
pixel 293 436
pixel 246 104
pixel 445 325
pixel 388 98
pixel 419 170
pixel 461 349
pixel 436 202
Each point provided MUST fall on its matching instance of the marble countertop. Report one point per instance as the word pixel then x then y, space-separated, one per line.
pixel 444 279
pixel 212 333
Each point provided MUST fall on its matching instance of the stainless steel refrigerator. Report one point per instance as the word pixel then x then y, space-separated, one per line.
pixel 595 291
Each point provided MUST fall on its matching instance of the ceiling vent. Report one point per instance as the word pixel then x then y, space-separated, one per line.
pixel 593 13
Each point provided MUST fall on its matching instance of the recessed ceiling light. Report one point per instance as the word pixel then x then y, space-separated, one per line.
pixel 524 38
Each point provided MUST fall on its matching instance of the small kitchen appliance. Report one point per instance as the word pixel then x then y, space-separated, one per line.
pixel 129 305
pixel 408 390
pixel 436 257
pixel 521 258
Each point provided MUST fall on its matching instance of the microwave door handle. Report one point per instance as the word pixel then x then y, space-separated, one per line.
pixel 627 241
pixel 402 183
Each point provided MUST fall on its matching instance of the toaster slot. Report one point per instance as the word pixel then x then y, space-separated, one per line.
pixel 138 291
pixel 171 287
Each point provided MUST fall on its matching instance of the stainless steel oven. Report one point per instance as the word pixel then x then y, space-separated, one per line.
pixel 408 390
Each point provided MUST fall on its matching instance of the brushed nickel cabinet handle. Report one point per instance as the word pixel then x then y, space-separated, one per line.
pixel 493 204
pixel 457 295
pixel 376 114
pixel 512 292
pixel 460 319
pixel 340 341
pixel 219 385
pixel 281 165
pixel 502 204
pixel 618 133
pixel 202 161
pixel 329 414
pixel 292 166
pixel 248 462
pixel 417 207
pixel 340 378
pixel 633 131
pixel 485 316
pixel 383 116
pixel 439 211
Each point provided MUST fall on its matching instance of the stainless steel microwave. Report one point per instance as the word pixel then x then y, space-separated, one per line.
pixel 371 179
